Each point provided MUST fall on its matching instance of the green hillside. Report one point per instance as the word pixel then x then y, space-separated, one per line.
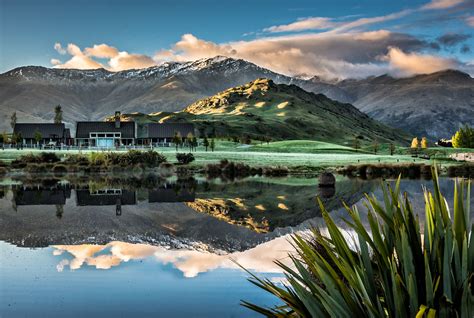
pixel 281 112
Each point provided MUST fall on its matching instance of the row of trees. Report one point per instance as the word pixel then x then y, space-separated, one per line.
pixel 192 142
pixel 464 138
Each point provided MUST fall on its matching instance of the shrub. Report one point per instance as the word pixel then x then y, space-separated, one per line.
pixel 97 158
pixel 184 158
pixel 48 157
pixel 76 159
pixel 395 269
pixel 134 157
pixel 44 157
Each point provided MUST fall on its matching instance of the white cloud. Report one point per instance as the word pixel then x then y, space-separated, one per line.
pixel 415 63
pixel 101 51
pixel 124 61
pixel 58 47
pixel 312 23
pixel 321 23
pixel 55 61
pixel 442 4
pixel 330 55
pixel 191 263
pixel 117 61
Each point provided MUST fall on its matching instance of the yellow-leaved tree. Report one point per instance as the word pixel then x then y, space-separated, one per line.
pixel 424 143
pixel 415 143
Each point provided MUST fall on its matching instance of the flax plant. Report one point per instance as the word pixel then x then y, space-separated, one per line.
pixel 399 266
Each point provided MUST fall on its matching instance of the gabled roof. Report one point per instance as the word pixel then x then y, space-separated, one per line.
pixel 47 130
pixel 127 128
pixel 168 130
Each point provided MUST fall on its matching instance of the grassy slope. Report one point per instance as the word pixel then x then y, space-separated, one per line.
pixel 282 112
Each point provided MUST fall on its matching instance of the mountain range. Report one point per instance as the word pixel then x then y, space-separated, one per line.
pixel 432 105
pixel 279 111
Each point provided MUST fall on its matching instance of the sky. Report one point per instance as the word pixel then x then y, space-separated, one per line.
pixel 331 39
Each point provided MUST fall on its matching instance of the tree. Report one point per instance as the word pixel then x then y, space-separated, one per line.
pixel 38 137
pixel 58 114
pixel 177 139
pixel 424 143
pixel 414 145
pixel 4 137
pixel 464 138
pixel 375 146
pixel 189 141
pixel 213 145
pixel 195 142
pixel 13 120
pixel 356 144
pixel 392 149
pixel 205 142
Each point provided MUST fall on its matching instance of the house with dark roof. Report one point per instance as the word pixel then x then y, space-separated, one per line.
pixel 41 196
pixel 51 134
pixel 157 133
pixel 105 134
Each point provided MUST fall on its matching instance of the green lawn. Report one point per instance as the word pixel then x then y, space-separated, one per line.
pixel 293 153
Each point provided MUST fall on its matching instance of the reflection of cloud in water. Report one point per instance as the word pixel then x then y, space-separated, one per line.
pixel 189 262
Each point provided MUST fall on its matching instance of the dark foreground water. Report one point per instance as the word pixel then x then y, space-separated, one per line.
pixel 153 247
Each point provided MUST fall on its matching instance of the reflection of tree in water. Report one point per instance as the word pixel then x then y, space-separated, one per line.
pixel 59 211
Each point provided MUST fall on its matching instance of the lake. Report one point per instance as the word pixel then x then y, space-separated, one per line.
pixel 149 246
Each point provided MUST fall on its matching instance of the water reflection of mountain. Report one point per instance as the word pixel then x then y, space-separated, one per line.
pixel 203 215
pixel 264 206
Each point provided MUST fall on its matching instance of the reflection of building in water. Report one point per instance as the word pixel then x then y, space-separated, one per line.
pixel 55 195
pixel 179 192
pixel 117 197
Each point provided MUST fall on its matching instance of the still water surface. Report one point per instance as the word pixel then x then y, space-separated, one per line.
pixel 152 247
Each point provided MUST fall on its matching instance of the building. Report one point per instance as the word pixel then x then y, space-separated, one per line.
pixel 163 134
pixel 56 195
pixel 51 134
pixel 104 134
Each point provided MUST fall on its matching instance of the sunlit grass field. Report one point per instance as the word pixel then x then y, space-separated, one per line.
pixel 293 153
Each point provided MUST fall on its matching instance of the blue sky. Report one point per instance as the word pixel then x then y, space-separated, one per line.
pixel 340 38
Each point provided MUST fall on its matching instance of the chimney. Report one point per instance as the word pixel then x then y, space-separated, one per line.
pixel 117 119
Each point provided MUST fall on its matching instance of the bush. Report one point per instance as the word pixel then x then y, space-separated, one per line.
pixel 48 157
pixel 396 269
pixel 76 159
pixel 184 158
pixel 97 158
pixel 44 157
pixel 135 157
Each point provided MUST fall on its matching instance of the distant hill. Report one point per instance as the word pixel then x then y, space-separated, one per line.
pixel 433 105
pixel 279 111
pixel 33 91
